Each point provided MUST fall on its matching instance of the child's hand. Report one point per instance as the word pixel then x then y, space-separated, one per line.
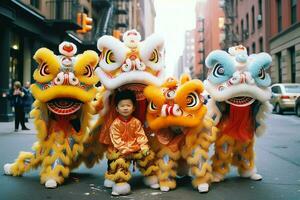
pixel 145 152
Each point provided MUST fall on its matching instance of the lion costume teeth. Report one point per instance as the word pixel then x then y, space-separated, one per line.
pixel 62 110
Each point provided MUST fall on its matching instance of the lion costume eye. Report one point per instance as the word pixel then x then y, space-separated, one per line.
pixel 152 106
pixel 110 57
pixel 262 74
pixel 192 100
pixel 44 71
pixel 88 71
pixel 154 56
pixel 218 70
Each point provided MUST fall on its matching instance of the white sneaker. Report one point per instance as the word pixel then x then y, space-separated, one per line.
pixel 203 187
pixel 51 184
pixel 256 177
pixel 151 181
pixel 7 168
pixel 120 189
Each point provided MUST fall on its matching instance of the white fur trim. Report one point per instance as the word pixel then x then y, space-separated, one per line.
pixel 204 187
pixel 238 90
pixel 265 108
pixel 7 168
pixel 50 183
pixel 121 189
pixel 131 40
pixel 118 48
pixel 213 110
pixel 108 183
pixel 129 77
pixel 151 181
pixel 146 48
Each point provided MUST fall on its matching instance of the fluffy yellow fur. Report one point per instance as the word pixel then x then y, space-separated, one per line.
pixel 58 148
pixel 118 170
pixel 229 151
pixel 44 55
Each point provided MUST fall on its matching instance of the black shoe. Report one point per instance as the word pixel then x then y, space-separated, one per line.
pixel 25 128
pixel 16 130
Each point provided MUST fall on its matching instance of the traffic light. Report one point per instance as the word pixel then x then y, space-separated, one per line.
pixel 85 21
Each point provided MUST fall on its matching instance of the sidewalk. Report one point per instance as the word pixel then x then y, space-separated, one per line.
pixel 9 127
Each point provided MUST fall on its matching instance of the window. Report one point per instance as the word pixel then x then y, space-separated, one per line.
pixel 35 3
pixel 276 89
pixel 242 30
pixel 279 16
pixel 261 44
pixel 253 47
pixel 292 88
pixel 237 29
pixel 253 19
pixel 259 17
pixel 236 7
pixel 247 26
pixel 293 64
pixel 293 11
pixel 278 56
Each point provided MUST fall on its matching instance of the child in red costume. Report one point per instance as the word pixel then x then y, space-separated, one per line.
pixel 128 142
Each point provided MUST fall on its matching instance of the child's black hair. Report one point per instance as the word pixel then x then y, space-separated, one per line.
pixel 125 94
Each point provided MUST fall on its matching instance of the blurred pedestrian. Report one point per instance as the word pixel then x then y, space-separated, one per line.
pixel 28 100
pixel 17 97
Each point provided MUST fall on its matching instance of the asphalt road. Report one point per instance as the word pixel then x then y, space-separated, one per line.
pixel 278 160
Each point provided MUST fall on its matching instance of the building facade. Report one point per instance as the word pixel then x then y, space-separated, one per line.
pixel 209 34
pixel 285 40
pixel 248 22
pixel 188 54
pixel 28 25
pixel 134 14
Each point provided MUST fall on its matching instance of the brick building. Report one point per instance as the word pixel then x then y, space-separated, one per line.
pixel 285 40
pixel 209 33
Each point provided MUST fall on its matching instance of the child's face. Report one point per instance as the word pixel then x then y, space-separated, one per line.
pixel 125 107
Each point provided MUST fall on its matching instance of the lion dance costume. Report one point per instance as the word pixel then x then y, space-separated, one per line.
pixel 132 64
pixel 238 85
pixel 183 134
pixel 62 109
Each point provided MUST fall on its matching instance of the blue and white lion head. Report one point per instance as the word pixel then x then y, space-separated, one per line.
pixel 237 78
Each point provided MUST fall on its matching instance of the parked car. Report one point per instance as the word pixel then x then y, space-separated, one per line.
pixel 284 96
pixel 297 106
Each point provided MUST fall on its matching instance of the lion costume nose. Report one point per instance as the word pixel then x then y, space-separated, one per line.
pixel 68 78
pixel 171 110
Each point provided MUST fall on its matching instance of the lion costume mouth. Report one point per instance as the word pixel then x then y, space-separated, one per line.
pixel 64 106
pixel 240 101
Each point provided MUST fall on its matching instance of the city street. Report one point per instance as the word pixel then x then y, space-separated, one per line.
pixel 278 161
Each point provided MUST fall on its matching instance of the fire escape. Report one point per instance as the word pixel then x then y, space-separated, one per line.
pixel 230 15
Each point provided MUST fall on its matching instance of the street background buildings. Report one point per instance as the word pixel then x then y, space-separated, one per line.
pixel 27 25
pixel 272 26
